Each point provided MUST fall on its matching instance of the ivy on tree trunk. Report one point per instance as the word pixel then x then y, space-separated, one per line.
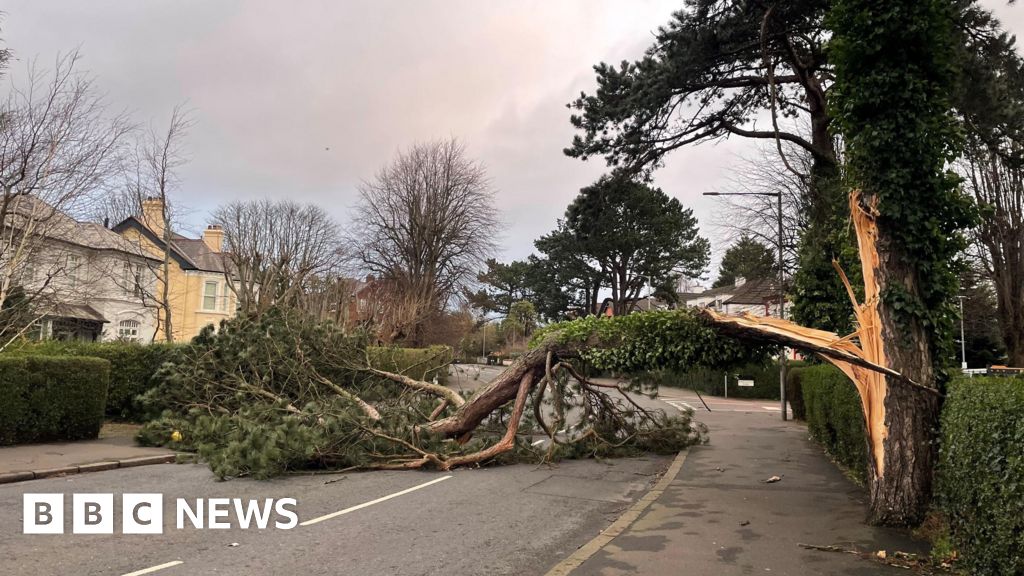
pixel 894 66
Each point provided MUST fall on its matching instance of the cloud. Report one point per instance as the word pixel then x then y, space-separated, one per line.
pixel 304 100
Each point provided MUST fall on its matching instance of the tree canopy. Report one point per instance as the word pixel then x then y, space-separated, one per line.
pixel 747 258
pixel 711 72
pixel 636 235
pixel 502 285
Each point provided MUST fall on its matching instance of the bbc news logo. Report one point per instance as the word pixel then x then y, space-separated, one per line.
pixel 144 513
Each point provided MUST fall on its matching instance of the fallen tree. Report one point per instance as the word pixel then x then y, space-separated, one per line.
pixel 276 393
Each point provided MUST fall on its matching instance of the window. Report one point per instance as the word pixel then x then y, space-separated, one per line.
pixel 128 330
pixel 72 269
pixel 137 290
pixel 128 282
pixel 210 295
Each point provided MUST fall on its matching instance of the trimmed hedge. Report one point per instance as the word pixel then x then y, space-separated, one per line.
pixel 712 382
pixel 419 363
pixel 132 367
pixel 834 415
pixel 47 398
pixel 981 473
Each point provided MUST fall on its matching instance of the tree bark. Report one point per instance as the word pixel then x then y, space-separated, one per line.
pixel 495 395
pixel 901 479
pixel 891 366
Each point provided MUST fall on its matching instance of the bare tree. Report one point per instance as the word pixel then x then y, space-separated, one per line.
pixel 332 296
pixel 58 145
pixel 755 214
pixel 424 225
pixel 997 183
pixel 278 250
pixel 149 178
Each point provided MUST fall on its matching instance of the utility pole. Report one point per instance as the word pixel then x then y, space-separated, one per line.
pixel 782 288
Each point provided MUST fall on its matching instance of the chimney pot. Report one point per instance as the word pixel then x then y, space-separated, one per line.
pixel 213 237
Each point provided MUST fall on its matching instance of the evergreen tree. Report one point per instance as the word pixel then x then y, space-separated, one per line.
pixel 749 259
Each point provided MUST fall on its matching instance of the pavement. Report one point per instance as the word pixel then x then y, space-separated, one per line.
pixel 718 516
pixel 115 448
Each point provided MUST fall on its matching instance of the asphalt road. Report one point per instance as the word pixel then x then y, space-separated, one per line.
pixel 503 520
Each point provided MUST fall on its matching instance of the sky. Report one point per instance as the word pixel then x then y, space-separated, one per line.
pixel 305 100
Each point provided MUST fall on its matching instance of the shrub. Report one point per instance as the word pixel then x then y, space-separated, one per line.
pixel 709 381
pixel 981 473
pixel 46 398
pixel 419 363
pixel 834 415
pixel 795 391
pixel 132 367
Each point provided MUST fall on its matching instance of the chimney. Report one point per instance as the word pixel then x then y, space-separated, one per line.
pixel 153 215
pixel 213 237
pixel 740 281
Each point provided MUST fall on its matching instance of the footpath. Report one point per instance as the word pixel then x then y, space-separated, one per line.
pixel 115 448
pixel 719 516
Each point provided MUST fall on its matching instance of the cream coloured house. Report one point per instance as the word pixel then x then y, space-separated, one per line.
pixel 198 289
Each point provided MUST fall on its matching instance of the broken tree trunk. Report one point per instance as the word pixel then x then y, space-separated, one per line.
pixel 499 392
pixel 890 366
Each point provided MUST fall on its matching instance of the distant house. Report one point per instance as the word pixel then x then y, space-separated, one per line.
pixel 759 297
pixel 199 293
pixel 645 304
pixel 84 281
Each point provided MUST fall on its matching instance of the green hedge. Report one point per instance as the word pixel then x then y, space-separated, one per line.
pixel 981 473
pixel 131 369
pixel 712 382
pixel 419 363
pixel 46 398
pixel 834 415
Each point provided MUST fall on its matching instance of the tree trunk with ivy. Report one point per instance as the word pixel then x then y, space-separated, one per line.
pixel 894 67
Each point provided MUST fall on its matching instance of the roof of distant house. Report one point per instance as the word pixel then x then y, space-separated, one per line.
pixel 757 291
pixel 190 253
pixel 55 224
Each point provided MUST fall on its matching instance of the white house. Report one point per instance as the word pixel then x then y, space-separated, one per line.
pixel 84 282
pixel 758 297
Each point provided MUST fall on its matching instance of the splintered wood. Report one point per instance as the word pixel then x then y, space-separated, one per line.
pixel 861 355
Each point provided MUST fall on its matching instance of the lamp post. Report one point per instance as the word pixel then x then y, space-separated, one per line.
pixel 963 343
pixel 782 290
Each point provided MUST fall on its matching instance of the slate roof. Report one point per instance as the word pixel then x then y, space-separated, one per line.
pixel 77 311
pixel 756 292
pixel 190 253
pixel 53 223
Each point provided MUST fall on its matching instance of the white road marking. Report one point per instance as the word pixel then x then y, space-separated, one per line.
pixel 372 502
pixel 152 569
pixel 676 404
pixel 772 408
pixel 541 441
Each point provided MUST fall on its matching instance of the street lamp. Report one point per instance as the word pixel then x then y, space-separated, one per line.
pixel 782 290
pixel 963 343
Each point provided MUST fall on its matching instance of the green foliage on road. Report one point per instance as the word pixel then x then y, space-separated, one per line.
pixel 46 398
pixel 268 395
pixel 981 473
pixel 834 415
pixel 132 367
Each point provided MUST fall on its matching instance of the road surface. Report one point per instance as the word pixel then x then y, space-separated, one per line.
pixel 502 520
